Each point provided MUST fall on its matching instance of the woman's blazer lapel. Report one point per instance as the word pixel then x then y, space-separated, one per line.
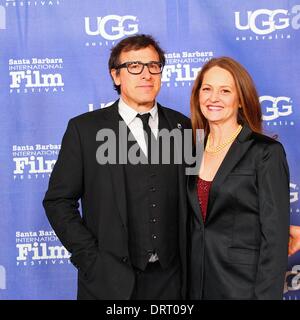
pixel 233 156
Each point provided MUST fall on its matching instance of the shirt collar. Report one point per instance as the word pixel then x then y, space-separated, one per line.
pixel 128 114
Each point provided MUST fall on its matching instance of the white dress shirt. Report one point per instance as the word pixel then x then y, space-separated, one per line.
pixel 135 124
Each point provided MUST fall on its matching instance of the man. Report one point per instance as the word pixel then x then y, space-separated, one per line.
pixel 130 241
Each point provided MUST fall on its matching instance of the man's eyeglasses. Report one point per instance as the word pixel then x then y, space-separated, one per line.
pixel 137 67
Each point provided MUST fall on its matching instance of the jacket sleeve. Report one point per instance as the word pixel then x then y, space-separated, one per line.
pixel 274 211
pixel 61 201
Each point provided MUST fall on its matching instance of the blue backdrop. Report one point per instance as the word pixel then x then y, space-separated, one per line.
pixel 53 66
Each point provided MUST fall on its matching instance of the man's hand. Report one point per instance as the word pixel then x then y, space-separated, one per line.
pixel 294 242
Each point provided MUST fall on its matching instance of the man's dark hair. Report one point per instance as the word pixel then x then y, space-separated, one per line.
pixel 136 42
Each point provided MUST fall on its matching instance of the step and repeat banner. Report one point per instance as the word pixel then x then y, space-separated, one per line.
pixel 53 66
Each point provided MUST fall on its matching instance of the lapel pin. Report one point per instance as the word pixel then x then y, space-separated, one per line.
pixel 179 126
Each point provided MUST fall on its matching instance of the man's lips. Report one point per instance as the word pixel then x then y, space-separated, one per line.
pixel 146 86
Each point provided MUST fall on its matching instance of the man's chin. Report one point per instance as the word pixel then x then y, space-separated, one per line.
pixel 147 101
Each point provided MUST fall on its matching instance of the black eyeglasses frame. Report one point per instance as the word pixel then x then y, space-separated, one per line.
pixel 126 64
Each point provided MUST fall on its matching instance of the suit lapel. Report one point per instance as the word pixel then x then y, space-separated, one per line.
pixel 170 117
pixel 117 170
pixel 173 123
pixel 233 156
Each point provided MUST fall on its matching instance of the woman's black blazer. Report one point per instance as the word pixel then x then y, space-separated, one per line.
pixel 241 250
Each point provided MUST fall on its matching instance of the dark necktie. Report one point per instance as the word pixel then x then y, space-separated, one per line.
pixel 147 132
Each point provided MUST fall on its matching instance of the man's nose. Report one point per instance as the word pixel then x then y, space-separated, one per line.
pixel 146 73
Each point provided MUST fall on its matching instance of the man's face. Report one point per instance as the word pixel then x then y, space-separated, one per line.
pixel 138 90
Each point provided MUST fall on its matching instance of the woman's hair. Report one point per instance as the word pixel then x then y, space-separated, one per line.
pixel 250 110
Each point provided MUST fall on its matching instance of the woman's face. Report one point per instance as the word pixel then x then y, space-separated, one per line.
pixel 218 97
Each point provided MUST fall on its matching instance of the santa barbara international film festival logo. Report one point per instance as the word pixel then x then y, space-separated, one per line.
pixel 106 30
pixel 32 3
pixel 181 68
pixel 35 75
pixel 276 110
pixel 266 24
pixel 34 161
pixel 39 247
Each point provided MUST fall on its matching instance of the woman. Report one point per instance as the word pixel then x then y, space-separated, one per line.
pixel 239 203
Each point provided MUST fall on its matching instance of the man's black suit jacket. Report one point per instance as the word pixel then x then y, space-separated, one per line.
pixel 241 250
pixel 98 240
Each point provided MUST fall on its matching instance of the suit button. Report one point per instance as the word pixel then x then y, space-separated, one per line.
pixel 153 205
pixel 153 220
pixel 125 259
pixel 152 189
pixel 154 236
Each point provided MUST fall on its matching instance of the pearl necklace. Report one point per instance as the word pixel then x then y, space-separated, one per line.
pixel 218 148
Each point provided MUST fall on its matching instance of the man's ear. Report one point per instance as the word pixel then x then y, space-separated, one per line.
pixel 116 77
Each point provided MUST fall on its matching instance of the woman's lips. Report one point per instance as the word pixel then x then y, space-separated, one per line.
pixel 214 108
